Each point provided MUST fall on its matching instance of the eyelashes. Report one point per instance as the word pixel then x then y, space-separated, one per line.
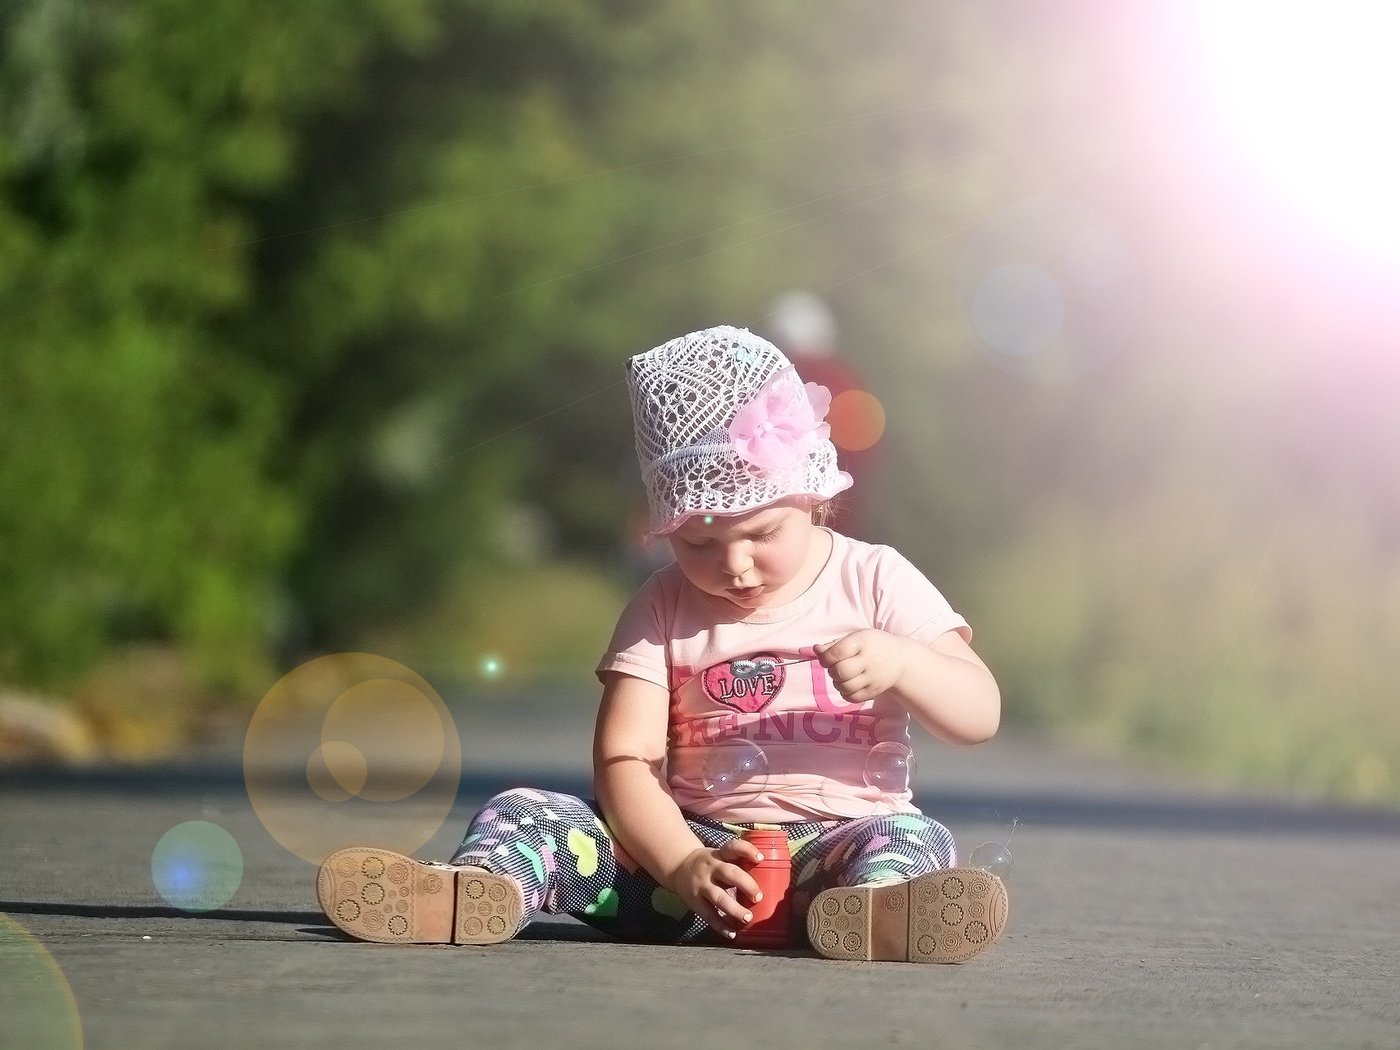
pixel 763 537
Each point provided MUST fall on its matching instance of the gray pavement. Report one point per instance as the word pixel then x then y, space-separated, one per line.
pixel 1145 913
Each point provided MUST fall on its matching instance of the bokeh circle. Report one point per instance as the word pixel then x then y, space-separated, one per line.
pixel 1018 310
pixel 197 866
pixel 340 738
pixel 1051 288
pixel 39 1012
pixel 857 420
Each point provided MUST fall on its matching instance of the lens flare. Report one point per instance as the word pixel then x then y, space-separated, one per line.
pixel 1304 93
pixel 197 866
pixel 857 420
pixel 337 770
pixel 1051 289
pixel 40 1012
pixel 1096 256
pixel 369 732
pixel 392 730
pixel 1018 310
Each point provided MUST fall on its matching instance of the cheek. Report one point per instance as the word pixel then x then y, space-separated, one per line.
pixel 785 562
pixel 694 566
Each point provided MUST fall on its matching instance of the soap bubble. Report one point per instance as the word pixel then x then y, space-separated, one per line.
pixel 890 767
pixel 736 767
pixel 994 857
pixel 197 866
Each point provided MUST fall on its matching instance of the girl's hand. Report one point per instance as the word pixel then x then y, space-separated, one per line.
pixel 863 664
pixel 703 881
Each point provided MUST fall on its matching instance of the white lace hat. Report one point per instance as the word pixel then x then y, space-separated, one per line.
pixel 724 425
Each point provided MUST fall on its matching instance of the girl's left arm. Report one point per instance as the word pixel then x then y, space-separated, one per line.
pixel 944 685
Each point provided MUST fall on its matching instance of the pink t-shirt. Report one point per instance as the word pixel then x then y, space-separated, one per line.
pixel 756 738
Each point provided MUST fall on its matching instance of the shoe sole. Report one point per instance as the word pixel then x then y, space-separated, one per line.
pixel 945 917
pixel 382 896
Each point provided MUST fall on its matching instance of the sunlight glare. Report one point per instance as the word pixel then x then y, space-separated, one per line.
pixel 1308 91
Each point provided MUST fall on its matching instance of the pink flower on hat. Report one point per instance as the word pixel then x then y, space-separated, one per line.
pixel 777 429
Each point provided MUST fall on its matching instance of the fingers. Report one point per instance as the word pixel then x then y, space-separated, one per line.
pixel 730 914
pixel 857 690
pixel 829 654
pixel 722 891
pixel 855 665
pixel 740 850
pixel 849 677
pixel 722 911
pixel 842 660
pixel 732 875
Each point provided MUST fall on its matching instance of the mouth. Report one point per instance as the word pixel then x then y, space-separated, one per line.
pixel 744 594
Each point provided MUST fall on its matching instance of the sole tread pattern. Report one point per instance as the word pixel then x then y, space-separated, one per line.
pixel 382 896
pixel 944 917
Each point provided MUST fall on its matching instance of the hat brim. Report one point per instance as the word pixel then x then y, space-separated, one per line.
pixel 843 481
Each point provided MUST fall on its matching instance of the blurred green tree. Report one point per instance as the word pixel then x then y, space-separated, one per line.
pixel 299 302
pixel 138 497
pixel 544 194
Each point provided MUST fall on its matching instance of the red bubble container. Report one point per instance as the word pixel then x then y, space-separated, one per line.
pixel 772 916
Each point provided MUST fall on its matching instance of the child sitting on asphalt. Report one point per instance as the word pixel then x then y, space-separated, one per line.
pixel 764 678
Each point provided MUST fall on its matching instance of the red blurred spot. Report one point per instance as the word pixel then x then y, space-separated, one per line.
pixel 857 420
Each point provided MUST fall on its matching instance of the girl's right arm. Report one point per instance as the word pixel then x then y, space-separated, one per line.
pixel 629 751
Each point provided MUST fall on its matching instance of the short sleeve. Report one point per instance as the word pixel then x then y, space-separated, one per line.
pixel 638 646
pixel 907 604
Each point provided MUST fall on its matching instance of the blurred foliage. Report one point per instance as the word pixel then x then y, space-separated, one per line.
pixel 312 319
pixel 538 624
pixel 299 303
pixel 1202 572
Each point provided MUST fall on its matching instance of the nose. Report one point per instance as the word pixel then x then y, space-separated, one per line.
pixel 737 560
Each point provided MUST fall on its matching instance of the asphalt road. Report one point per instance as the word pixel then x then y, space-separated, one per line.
pixel 1144 913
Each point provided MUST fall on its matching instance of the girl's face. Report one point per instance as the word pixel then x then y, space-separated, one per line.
pixel 765 557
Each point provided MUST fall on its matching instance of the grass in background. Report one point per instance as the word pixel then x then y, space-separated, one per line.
pixel 548 622
pixel 1245 656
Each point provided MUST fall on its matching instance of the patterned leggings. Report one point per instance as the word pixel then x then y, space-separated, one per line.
pixel 560 851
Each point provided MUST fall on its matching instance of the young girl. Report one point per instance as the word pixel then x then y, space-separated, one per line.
pixel 766 677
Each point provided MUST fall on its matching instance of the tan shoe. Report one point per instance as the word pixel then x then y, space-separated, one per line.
pixel 944 917
pixel 379 895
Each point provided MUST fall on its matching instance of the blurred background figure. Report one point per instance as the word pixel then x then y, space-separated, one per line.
pixel 801 325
